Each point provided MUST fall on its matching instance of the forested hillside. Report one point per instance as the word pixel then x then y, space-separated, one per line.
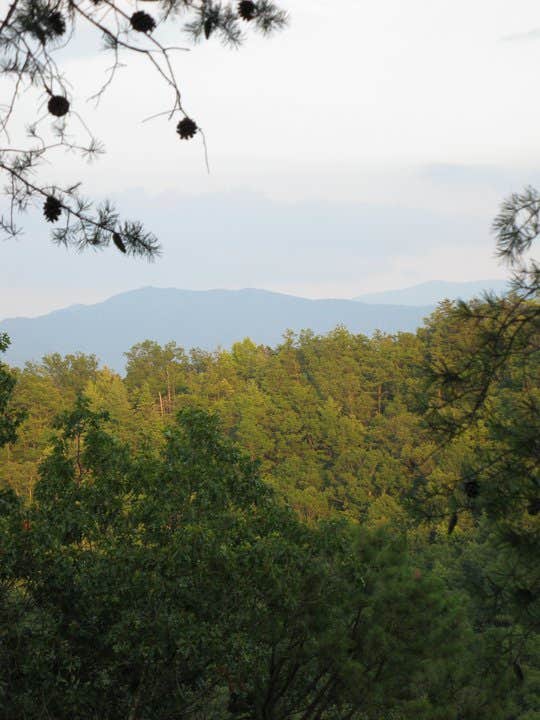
pixel 332 419
pixel 357 529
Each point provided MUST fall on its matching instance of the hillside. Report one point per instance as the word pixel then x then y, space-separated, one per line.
pixel 205 319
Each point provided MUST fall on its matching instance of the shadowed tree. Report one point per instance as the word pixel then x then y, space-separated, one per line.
pixel 9 419
pixel 179 586
pixel 484 374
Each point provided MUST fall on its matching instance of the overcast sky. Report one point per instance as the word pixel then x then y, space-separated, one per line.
pixel 366 147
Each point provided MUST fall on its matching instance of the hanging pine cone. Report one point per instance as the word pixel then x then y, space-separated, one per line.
pixel 52 208
pixel 142 22
pixel 211 20
pixel 117 240
pixel 471 488
pixel 534 506
pixel 208 27
pixel 524 596
pixel 58 105
pixel 238 704
pixel 247 10
pixel 56 23
pixel 186 128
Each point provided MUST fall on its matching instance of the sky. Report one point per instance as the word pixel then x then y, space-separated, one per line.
pixel 367 147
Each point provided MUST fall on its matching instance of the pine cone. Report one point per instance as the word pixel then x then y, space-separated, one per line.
pixel 56 23
pixel 142 22
pixel 186 128
pixel 524 596
pixel 208 27
pixel 238 704
pixel 247 10
pixel 52 208
pixel 117 240
pixel 534 506
pixel 471 488
pixel 58 105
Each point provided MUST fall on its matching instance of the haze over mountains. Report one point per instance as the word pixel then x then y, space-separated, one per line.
pixel 205 319
pixel 431 293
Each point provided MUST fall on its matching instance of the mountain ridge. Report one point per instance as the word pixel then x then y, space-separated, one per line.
pixel 193 318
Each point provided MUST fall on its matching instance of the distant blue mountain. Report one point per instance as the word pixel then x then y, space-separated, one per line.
pixel 205 319
pixel 431 293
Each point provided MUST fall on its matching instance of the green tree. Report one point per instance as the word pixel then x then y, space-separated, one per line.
pixel 484 373
pixel 69 373
pixel 9 420
pixel 183 587
pixel 162 369
pixel 107 393
pixel 38 400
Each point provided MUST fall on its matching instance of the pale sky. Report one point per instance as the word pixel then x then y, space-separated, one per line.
pixel 367 147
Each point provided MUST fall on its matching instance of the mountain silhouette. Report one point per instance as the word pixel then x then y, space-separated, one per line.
pixel 206 319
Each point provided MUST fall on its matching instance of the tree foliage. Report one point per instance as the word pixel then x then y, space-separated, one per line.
pixel 182 587
pixel 9 419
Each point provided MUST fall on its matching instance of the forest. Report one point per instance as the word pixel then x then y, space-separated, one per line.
pixel 341 527
pixel 338 527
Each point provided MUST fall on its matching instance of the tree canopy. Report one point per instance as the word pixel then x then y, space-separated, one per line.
pixel 331 547
pixel 182 587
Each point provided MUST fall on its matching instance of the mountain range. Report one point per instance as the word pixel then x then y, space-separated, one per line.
pixel 431 293
pixel 198 318
pixel 205 319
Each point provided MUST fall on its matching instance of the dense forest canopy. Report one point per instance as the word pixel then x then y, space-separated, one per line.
pixel 340 527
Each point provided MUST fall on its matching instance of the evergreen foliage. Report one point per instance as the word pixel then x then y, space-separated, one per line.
pixel 182 587
pixel 9 419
